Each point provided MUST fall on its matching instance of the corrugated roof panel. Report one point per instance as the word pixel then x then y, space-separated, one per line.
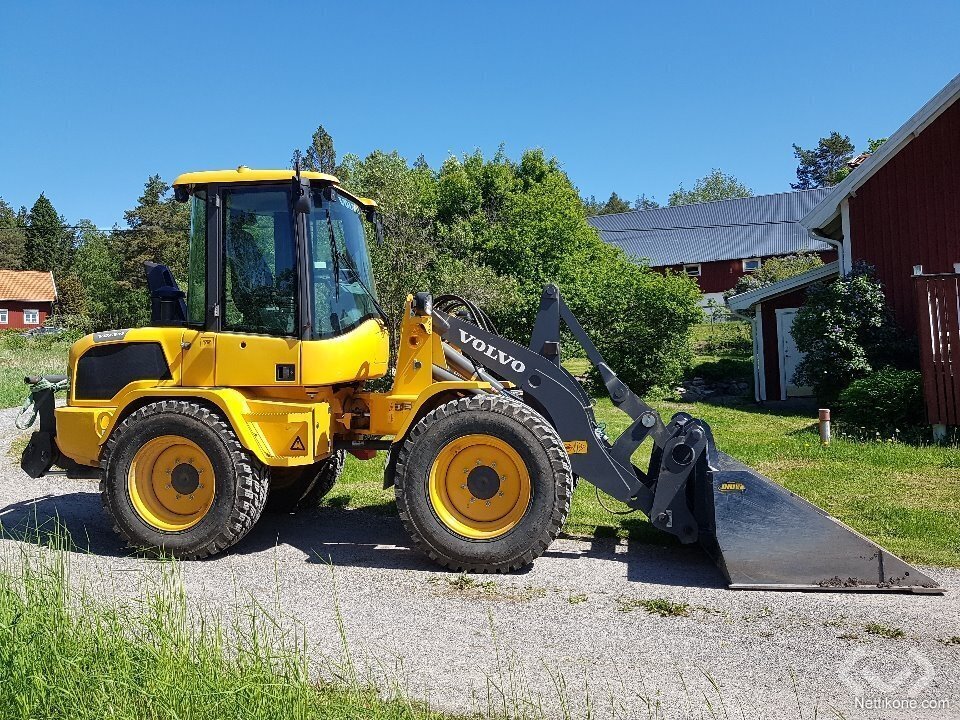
pixel 723 230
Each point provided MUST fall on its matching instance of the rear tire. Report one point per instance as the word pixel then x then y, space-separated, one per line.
pixel 304 486
pixel 483 484
pixel 157 487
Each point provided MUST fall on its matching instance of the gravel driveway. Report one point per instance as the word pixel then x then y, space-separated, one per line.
pixel 575 621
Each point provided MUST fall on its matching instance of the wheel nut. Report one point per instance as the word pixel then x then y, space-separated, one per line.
pixel 488 503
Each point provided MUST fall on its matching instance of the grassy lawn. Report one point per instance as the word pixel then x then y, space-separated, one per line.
pixel 21 356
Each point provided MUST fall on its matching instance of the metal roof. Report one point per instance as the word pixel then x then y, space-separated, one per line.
pixel 722 230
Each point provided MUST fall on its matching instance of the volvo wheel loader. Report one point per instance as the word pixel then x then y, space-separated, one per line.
pixel 249 387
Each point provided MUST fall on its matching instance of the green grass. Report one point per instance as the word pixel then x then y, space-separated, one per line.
pixel 65 653
pixel 905 497
pixel 885 631
pixel 21 356
pixel 664 607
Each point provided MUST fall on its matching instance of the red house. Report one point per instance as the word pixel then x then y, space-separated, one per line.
pixel 899 210
pixel 719 242
pixel 26 298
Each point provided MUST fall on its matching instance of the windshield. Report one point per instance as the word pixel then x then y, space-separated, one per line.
pixel 343 290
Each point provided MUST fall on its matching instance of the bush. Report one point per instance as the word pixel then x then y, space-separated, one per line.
pixel 887 402
pixel 640 322
pixel 774 270
pixel 846 330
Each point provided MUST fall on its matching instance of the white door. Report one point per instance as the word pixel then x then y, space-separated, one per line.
pixel 790 357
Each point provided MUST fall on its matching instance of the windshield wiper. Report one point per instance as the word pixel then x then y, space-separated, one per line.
pixel 335 256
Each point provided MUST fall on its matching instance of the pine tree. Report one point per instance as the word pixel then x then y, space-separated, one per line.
pixel 12 235
pixel 825 165
pixel 320 156
pixel 47 243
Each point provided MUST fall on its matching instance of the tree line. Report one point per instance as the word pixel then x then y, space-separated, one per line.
pixel 830 161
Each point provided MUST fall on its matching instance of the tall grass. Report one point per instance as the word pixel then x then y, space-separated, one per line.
pixel 20 356
pixel 65 652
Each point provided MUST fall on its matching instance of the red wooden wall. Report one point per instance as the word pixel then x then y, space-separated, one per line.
pixel 15 310
pixel 909 213
pixel 938 315
pixel 722 275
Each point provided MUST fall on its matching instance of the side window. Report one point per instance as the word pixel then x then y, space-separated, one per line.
pixel 197 260
pixel 260 289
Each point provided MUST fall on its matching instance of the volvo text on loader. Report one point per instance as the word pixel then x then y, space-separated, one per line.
pixel 249 387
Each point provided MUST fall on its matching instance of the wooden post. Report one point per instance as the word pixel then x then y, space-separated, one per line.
pixel 824 426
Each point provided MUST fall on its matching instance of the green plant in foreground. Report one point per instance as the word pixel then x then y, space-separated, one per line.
pixel 65 653
pixel 884 631
pixel 663 607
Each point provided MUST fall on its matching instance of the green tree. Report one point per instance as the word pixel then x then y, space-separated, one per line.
pixel 774 270
pixel 645 203
pixel 47 241
pixel 846 331
pixel 158 230
pixel 109 300
pixel 320 155
pixel 717 185
pixel 826 164
pixel 616 204
pixel 12 238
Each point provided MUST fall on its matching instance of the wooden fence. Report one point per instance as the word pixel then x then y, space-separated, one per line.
pixel 938 329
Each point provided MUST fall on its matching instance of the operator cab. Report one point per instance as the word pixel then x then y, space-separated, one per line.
pixel 274 255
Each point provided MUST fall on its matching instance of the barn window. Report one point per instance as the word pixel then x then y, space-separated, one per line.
pixel 751 264
pixel 31 317
pixel 4 317
pixel 692 269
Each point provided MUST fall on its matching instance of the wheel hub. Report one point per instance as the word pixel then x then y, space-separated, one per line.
pixel 479 486
pixel 483 482
pixel 185 479
pixel 171 483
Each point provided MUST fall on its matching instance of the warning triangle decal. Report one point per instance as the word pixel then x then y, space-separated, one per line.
pixel 297 444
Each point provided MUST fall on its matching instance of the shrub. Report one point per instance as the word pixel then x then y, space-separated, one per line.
pixel 887 402
pixel 846 331
pixel 640 322
pixel 774 270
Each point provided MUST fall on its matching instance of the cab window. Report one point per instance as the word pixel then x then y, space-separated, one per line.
pixel 259 270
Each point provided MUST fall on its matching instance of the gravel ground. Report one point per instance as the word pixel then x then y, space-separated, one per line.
pixel 566 634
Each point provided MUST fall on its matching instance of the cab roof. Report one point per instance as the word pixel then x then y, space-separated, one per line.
pixel 245 174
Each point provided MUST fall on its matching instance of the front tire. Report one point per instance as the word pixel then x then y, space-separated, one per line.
pixel 483 484
pixel 175 478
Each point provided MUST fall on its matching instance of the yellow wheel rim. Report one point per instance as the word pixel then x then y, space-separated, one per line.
pixel 479 487
pixel 171 483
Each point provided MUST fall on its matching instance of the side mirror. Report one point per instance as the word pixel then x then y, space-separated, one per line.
pixel 181 193
pixel 302 206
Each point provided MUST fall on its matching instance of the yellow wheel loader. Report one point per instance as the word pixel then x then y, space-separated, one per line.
pixel 248 388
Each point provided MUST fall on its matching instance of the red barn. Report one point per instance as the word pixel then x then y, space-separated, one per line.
pixel 716 243
pixel 26 298
pixel 899 210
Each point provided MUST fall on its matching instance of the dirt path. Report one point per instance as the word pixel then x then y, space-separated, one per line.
pixel 576 618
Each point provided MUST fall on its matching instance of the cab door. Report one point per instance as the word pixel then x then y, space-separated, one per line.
pixel 258 343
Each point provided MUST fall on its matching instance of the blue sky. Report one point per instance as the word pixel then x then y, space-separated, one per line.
pixel 633 97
